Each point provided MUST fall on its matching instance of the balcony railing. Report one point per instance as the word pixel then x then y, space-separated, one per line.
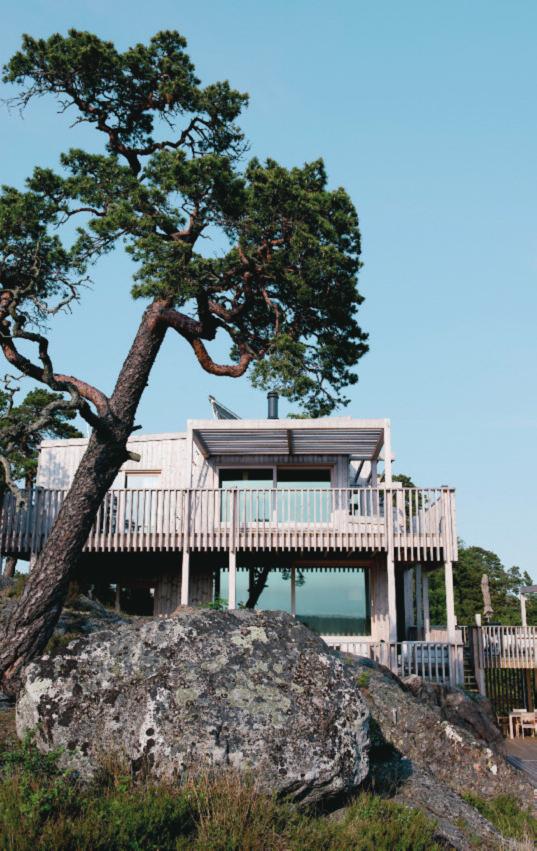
pixel 413 522
pixel 508 646
pixel 436 662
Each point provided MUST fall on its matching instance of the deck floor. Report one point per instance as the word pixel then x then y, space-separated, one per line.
pixel 522 754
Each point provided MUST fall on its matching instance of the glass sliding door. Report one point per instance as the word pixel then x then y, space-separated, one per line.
pixel 278 494
pixel 254 498
pixel 308 499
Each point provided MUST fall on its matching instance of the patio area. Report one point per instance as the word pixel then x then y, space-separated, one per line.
pixel 522 754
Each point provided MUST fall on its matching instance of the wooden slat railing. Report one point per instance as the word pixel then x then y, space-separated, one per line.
pixel 436 662
pixel 419 522
pixel 508 646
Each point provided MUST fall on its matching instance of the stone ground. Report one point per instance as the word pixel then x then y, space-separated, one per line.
pixel 427 757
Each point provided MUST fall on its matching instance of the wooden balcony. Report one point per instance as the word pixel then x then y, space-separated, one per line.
pixel 415 523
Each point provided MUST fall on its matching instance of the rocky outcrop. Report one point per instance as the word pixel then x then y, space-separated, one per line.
pixel 428 754
pixel 471 711
pixel 84 616
pixel 203 689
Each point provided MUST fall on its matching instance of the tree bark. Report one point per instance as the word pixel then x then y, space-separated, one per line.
pixel 33 620
pixel 256 586
pixel 9 567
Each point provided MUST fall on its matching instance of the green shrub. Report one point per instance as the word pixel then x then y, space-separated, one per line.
pixel 219 604
pixel 506 814
pixel 363 679
pixel 45 807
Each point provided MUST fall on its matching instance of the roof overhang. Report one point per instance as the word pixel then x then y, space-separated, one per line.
pixel 363 439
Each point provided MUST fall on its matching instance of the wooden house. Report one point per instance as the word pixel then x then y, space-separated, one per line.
pixel 296 514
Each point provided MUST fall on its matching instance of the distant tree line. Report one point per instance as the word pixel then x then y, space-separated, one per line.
pixel 23 425
pixel 504 583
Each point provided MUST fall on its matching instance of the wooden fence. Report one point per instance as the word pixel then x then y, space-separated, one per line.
pixel 508 646
pixel 414 522
pixel 435 662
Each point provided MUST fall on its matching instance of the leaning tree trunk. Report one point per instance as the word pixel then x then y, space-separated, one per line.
pixel 34 618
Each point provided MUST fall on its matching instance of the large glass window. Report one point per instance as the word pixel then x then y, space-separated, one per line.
pixel 334 601
pixel 330 601
pixel 274 596
pixel 141 501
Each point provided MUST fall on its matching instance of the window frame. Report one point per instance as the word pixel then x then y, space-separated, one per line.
pixel 331 467
pixel 140 473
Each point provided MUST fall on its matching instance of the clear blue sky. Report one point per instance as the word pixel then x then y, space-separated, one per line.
pixel 426 113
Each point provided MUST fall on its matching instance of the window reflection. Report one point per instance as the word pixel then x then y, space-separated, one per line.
pixel 330 601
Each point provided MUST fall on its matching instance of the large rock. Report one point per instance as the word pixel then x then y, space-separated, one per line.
pixel 254 691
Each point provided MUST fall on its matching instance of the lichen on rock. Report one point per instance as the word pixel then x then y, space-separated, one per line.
pixel 255 691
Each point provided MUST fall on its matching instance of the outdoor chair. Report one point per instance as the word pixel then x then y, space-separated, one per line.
pixel 514 722
pixel 528 721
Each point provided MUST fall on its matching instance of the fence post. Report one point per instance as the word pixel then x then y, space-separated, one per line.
pixel 479 662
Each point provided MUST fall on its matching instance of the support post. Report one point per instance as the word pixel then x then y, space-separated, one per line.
pixel 455 673
pixel 387 453
pixel 479 661
pixel 293 591
pixel 450 602
pixel 185 577
pixel 426 609
pixel 419 602
pixel 523 616
pixel 118 598
pixel 408 589
pixel 392 606
pixel 232 581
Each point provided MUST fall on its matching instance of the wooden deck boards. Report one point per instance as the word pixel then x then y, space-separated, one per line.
pixel 522 754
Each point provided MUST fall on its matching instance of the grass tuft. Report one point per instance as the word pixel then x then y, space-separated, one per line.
pixel 506 814
pixel 44 807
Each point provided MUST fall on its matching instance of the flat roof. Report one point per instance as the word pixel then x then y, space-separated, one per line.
pixel 134 438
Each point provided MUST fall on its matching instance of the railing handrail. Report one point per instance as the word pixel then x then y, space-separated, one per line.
pixel 379 487
pixel 494 628
pixel 434 661
pixel 507 645
pixel 413 522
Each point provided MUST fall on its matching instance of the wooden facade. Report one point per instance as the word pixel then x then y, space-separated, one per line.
pixel 175 500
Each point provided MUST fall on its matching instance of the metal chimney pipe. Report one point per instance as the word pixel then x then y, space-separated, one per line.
pixel 272 405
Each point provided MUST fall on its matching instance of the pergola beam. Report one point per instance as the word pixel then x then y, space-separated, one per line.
pixel 200 443
pixel 289 441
